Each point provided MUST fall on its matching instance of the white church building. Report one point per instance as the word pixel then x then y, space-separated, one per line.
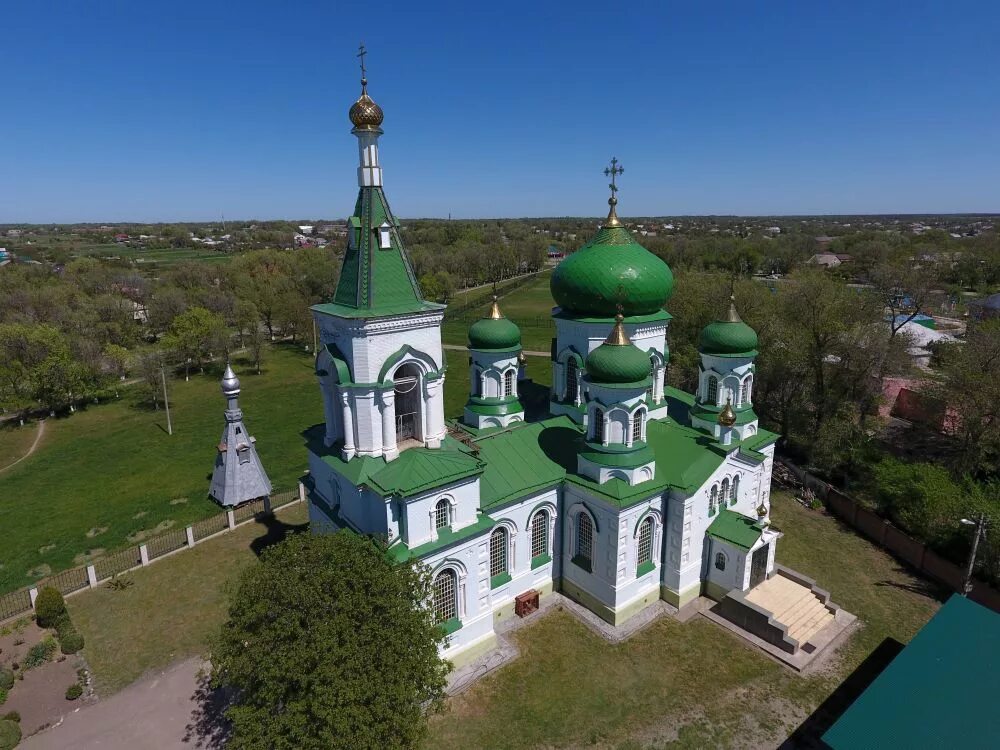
pixel 624 492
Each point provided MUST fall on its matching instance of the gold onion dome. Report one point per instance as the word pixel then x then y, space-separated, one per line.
pixel 494 332
pixel 727 417
pixel 618 360
pixel 365 113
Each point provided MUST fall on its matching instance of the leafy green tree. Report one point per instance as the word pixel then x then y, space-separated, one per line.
pixel 329 644
pixel 194 334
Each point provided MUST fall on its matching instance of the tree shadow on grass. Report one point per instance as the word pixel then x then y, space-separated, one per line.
pixel 276 531
pixel 209 729
pixel 920 586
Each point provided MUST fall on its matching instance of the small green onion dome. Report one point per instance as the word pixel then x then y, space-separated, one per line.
pixel 617 360
pixel 494 331
pixel 610 270
pixel 730 337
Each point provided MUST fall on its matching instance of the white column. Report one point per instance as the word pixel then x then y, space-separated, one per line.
pixel 434 413
pixel 348 451
pixel 389 448
pixel 658 388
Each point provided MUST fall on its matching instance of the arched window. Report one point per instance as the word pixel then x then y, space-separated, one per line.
pixel 477 382
pixel 540 534
pixel 652 379
pixel 644 553
pixel 508 383
pixel 724 493
pixel 445 596
pixel 637 426
pixel 713 499
pixel 720 561
pixel 442 514
pixel 745 390
pixel 712 390
pixel 598 425
pixel 571 380
pixel 584 538
pixel 734 493
pixel 498 551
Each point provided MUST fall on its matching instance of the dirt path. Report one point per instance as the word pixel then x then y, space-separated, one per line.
pixel 38 438
pixel 162 712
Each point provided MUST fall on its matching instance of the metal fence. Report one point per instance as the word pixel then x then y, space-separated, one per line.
pixel 18 603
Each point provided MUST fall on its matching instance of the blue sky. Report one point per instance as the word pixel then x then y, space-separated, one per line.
pixel 157 111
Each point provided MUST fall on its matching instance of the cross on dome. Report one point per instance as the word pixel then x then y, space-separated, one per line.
pixel 361 54
pixel 612 171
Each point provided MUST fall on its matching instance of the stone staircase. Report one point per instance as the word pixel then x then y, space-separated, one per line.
pixel 795 606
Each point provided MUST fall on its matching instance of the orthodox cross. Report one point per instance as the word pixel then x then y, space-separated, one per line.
pixel 361 53
pixel 613 171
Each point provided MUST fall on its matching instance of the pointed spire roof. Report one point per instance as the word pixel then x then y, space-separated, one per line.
pixel 230 383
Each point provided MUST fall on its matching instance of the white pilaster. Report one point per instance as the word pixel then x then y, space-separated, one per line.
pixel 389 448
pixel 348 451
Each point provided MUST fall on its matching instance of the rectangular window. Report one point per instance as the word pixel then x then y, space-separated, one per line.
pixel 636 427
pixel 540 534
pixel 441 515
pixel 645 546
pixel 498 553
pixel 444 597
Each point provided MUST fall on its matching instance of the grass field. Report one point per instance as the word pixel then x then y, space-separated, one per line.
pixel 677 685
pixel 108 473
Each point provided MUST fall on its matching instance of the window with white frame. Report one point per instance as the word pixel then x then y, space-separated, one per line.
pixel 445 596
pixel 712 390
pixel 584 537
pixel 745 390
pixel 652 375
pixel 724 492
pixel 540 534
pixel 734 493
pixel 384 237
pixel 637 426
pixel 571 379
pixel 442 514
pixel 713 499
pixel 598 425
pixel 508 383
pixel 644 551
pixel 498 551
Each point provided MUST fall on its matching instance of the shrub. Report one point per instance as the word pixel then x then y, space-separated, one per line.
pixel 74 691
pixel 12 716
pixel 71 641
pixel 49 607
pixel 40 653
pixel 6 678
pixel 10 734
pixel 63 624
pixel 3 696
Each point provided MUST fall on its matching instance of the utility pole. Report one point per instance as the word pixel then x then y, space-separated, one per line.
pixel 166 402
pixel 980 525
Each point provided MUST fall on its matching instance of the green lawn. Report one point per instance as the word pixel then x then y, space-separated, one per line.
pixel 529 305
pixel 111 471
pixel 684 685
pixel 172 608
pixel 15 440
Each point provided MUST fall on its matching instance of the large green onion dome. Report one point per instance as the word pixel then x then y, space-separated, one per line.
pixel 609 270
pixel 730 337
pixel 494 331
pixel 618 360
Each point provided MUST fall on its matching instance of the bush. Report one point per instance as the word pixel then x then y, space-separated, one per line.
pixel 63 624
pixel 49 607
pixel 10 734
pixel 12 716
pixel 74 691
pixel 6 678
pixel 40 653
pixel 3 696
pixel 71 641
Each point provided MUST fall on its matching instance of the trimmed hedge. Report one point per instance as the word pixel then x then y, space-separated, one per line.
pixel 74 691
pixel 49 607
pixel 10 734
pixel 70 641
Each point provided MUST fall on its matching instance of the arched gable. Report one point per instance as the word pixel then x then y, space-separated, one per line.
pixel 402 356
pixel 331 363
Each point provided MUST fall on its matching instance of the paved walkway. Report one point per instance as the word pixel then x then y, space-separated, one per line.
pixel 38 438
pixel 162 712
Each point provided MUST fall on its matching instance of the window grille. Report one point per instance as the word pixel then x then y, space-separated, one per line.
pixel 745 391
pixel 720 561
pixel 713 498
pixel 598 425
pixel 540 534
pixel 508 383
pixel 498 552
pixel 645 552
pixel 441 513
pixel 724 492
pixel 571 380
pixel 735 491
pixel 584 536
pixel 444 595
pixel 637 426
pixel 712 391
pixel 652 376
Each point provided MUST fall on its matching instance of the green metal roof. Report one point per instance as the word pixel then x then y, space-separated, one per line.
pixel 516 463
pixel 419 469
pixel 488 334
pixel 373 281
pixel 939 692
pixel 736 529
pixel 614 363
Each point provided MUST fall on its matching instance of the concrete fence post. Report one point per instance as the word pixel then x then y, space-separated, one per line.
pixel 231 518
pixel 143 554
pixel 91 576
pixel 267 504
pixel 302 492
pixel 190 535
pixel 33 594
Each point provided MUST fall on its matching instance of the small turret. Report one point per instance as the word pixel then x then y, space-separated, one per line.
pixel 495 366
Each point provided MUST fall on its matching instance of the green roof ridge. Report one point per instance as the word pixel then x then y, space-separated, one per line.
pixel 736 529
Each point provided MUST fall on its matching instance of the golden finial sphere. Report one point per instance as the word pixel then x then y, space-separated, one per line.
pixel 365 113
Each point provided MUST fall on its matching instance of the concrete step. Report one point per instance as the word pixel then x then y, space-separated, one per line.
pixel 809 628
pixel 809 608
pixel 804 601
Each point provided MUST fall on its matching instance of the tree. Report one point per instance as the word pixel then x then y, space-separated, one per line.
pixel 150 366
pixel 194 334
pixel 329 644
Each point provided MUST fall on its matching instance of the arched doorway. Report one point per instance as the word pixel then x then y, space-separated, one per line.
pixel 406 382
